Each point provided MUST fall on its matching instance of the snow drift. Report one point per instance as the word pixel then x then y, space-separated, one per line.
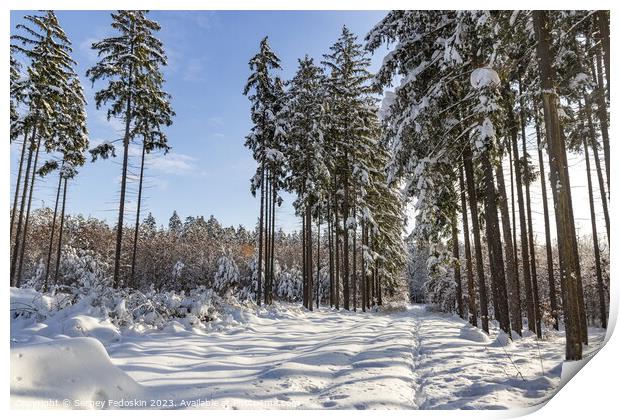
pixel 69 373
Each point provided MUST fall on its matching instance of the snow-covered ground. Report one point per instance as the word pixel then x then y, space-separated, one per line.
pixel 284 357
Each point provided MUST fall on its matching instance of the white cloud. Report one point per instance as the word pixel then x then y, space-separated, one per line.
pixel 172 163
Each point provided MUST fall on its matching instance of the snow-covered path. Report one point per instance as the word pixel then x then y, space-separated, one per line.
pixel 287 357
pixel 295 359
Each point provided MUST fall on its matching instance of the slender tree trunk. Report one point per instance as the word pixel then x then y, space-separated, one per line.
pixel 496 258
pixel 61 228
pixel 514 296
pixel 550 270
pixel 259 290
pixel 602 112
pixel 473 206
pixel 528 206
pixel 525 252
pixel 354 274
pixel 602 18
pixel 597 253
pixel 337 262
pixel 24 239
pixel 121 207
pixel 51 246
pixel 330 246
pixel 318 261
pixel 309 257
pixel 473 312
pixel 512 164
pixel 267 240
pixel 567 242
pixel 363 276
pixel 373 280
pixel 136 232
pixel 304 257
pixel 365 267
pixel 19 178
pixel 272 253
pixel 345 250
pixel 597 162
pixel 457 269
pixel 378 277
pixel 22 209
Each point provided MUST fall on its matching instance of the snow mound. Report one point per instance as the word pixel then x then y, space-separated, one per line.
pixel 484 77
pixel 502 340
pixel 88 326
pixel 68 373
pixel 474 334
pixel 174 327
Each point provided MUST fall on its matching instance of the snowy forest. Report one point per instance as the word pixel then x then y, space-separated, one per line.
pixel 466 132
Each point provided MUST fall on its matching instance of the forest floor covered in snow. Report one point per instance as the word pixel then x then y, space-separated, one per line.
pixel 283 357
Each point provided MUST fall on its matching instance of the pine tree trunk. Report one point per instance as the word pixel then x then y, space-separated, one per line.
pixel 267 235
pixel 365 267
pixel 567 242
pixel 272 252
pixel 354 273
pixel 330 245
pixel 259 290
pixel 496 258
pixel 121 207
pixel 602 112
pixel 525 252
pixel 24 239
pixel 61 228
pixel 602 18
pixel 363 276
pixel 528 207
pixel 19 179
pixel 597 162
pixel 473 206
pixel 457 269
pixel 597 253
pixel 51 245
pixel 18 232
pixel 373 280
pixel 309 257
pixel 514 296
pixel 318 261
pixel 337 255
pixel 379 293
pixel 512 165
pixel 304 263
pixel 345 250
pixel 136 235
pixel 550 270
pixel 473 312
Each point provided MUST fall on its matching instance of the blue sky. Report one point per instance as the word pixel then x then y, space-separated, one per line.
pixel 208 170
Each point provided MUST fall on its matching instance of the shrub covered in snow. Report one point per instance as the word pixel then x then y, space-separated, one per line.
pixel 121 307
pixel 226 278
pixel 289 284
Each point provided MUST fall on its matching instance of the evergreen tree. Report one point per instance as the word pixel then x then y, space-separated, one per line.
pixel 174 224
pixel 306 161
pixel 55 109
pixel 265 92
pixel 130 62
